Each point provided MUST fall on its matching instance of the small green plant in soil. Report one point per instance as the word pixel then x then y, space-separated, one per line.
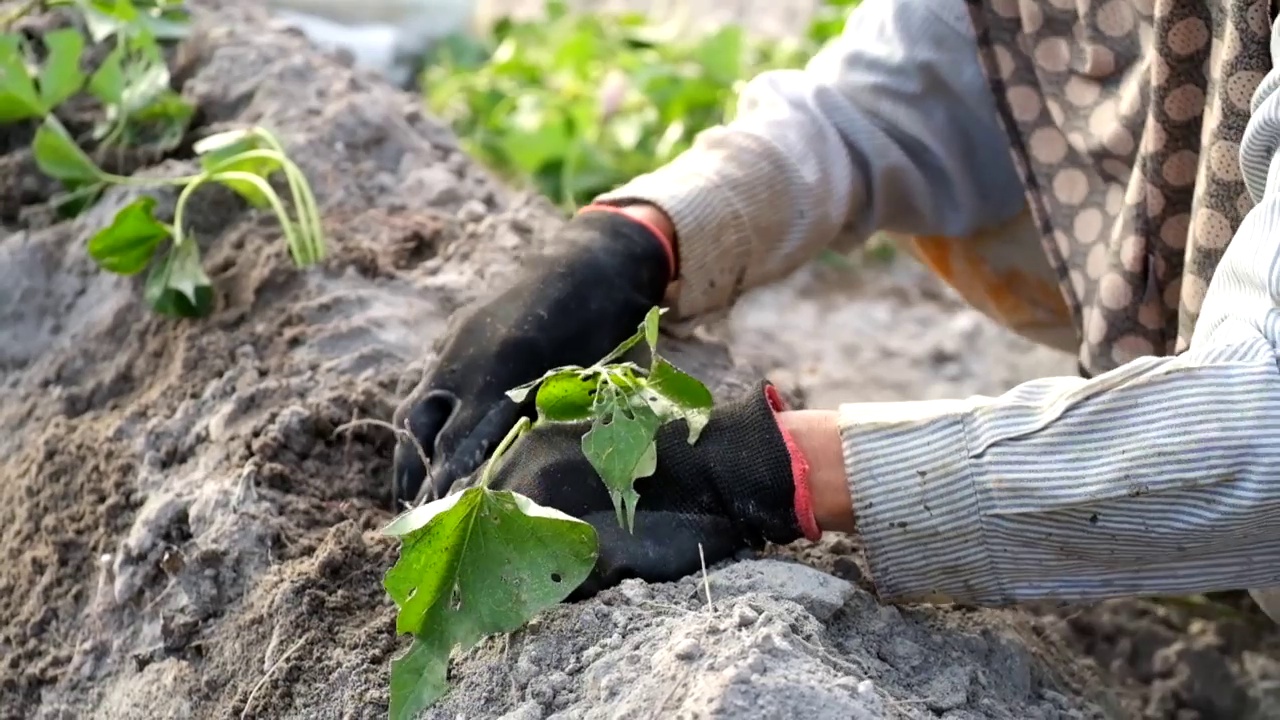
pixel 138 108
pixel 481 562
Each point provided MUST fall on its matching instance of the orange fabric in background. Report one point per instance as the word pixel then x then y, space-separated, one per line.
pixel 1002 273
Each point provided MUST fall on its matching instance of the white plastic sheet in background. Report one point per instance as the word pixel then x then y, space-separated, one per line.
pixel 387 36
pixel 391 36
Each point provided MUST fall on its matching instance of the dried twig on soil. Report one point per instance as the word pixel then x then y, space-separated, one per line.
pixel 661 709
pixel 400 432
pixel 248 703
pixel 245 487
pixel 706 582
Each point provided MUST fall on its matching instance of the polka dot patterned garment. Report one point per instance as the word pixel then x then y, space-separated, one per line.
pixel 1125 118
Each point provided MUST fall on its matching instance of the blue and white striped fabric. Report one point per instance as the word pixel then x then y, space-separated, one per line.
pixel 1160 477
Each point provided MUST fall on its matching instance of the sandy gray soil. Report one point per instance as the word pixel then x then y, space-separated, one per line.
pixel 185 536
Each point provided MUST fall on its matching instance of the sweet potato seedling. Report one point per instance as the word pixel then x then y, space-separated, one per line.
pixel 132 86
pixel 238 159
pixel 480 562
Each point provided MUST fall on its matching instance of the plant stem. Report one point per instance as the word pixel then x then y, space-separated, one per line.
pixel 299 246
pixel 290 232
pixel 308 213
pixel 281 215
pixel 148 182
pixel 180 207
pixel 303 199
pixel 308 246
pixel 516 431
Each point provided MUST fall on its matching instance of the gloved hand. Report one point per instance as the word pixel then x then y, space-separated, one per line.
pixel 568 308
pixel 743 482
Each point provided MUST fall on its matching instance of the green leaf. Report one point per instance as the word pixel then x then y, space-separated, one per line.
pixel 647 466
pixel 224 153
pixel 128 243
pixel 557 9
pixel 672 394
pixel 107 82
pixel 18 97
pixel 622 348
pixel 721 55
pixel 434 539
pixel 591 172
pixel 651 329
pixel 472 564
pixel 105 18
pixel 146 80
pixel 418 676
pixel 628 130
pixel 567 397
pixel 535 133
pixel 226 145
pixel 61 76
pixel 579 50
pixel 167 25
pixel 671 142
pixel 641 333
pixel 520 393
pixel 178 286
pixel 133 84
pixel 59 157
pixel 459 51
pixel 166 120
pixel 619 447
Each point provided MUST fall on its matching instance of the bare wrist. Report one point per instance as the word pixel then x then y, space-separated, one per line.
pixel 817 435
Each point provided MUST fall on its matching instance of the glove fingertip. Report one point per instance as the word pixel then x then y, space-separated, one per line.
pixel 407 474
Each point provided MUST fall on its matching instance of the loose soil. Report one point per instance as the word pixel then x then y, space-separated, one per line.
pixel 187 537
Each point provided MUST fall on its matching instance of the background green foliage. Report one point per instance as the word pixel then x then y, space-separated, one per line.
pixel 577 104
pixel 136 107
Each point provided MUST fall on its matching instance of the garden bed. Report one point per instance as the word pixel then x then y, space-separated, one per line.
pixel 187 537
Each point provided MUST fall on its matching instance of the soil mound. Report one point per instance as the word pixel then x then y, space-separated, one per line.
pixel 186 537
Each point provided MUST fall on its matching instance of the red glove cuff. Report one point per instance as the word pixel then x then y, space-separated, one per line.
pixel 799 471
pixel 666 241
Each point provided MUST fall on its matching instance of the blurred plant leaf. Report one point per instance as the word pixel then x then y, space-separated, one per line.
pixel 574 104
pixel 58 155
pixel 126 245
pixel 61 76
pixel 19 99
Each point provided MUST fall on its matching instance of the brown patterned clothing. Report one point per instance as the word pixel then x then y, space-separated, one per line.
pixel 1125 120
pixel 1096 174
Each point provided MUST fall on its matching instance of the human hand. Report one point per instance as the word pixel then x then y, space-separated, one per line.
pixel 741 484
pixel 569 308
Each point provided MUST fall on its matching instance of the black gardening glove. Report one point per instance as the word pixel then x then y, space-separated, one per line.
pixel 569 308
pixel 736 487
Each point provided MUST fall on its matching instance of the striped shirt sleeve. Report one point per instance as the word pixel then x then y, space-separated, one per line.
pixel 1160 477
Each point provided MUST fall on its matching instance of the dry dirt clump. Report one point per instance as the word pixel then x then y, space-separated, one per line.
pixel 185 537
